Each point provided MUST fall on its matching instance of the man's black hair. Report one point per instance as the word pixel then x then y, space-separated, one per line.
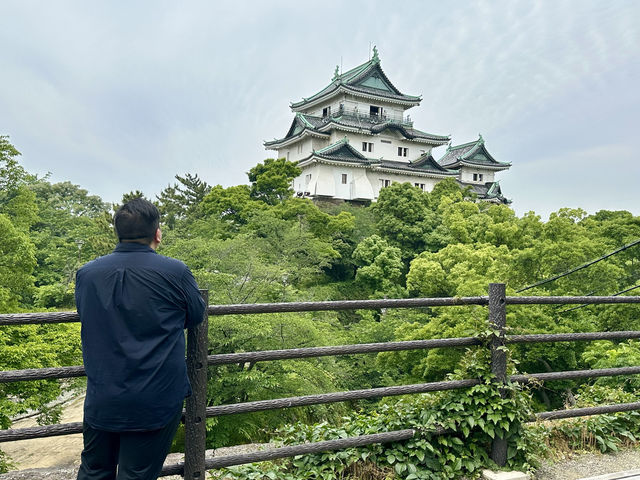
pixel 137 220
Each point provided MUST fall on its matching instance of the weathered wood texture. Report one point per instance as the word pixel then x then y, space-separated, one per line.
pixel 498 322
pixel 350 395
pixel 195 416
pixel 291 451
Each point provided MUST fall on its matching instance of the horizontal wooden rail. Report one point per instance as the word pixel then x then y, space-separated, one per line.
pixel 572 337
pixel 292 353
pixel 40 432
pixel 555 300
pixel 323 398
pixel 64 317
pixel 71 428
pixel 286 354
pixel 345 305
pixel 9 319
pixel 584 412
pixel 575 374
pixel 293 450
pixel 50 373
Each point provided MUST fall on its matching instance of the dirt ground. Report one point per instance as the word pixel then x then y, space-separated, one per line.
pixel 63 451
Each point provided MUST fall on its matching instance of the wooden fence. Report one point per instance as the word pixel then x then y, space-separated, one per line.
pixel 195 464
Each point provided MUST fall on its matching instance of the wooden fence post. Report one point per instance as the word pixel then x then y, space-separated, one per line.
pixel 498 321
pixel 196 409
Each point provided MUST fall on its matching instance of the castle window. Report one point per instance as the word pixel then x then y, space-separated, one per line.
pixel 384 182
pixel 344 178
pixel 420 186
pixel 385 141
pixel 367 147
pixel 375 111
pixel 477 177
pixel 402 151
pixel 326 111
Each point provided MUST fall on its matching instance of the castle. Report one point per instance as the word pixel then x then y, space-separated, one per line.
pixel 352 138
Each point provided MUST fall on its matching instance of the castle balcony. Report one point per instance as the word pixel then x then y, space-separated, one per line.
pixel 355 114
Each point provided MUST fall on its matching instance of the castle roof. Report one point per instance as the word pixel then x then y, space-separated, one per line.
pixel 473 154
pixel 342 152
pixel 355 123
pixel 301 126
pixel 367 80
pixel 489 191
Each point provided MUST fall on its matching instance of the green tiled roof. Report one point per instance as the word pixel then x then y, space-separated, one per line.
pixel 366 79
pixel 340 151
pixel 351 122
pixel 471 154
pixel 428 163
pixel 489 191
pixel 298 126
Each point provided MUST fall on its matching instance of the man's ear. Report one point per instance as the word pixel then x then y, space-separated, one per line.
pixel 157 238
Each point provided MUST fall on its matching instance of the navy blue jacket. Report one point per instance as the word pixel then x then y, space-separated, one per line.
pixel 134 305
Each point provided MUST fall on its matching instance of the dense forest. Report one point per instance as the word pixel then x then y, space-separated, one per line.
pixel 256 243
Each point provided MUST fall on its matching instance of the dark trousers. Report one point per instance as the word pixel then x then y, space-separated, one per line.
pixel 134 455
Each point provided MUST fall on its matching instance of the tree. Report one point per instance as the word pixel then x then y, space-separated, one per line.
pixel 380 267
pixel 232 205
pixel 17 260
pixel 271 180
pixel 72 228
pixel 181 200
pixel 16 201
pixel 404 219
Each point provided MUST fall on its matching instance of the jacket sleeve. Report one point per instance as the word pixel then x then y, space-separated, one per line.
pixel 195 303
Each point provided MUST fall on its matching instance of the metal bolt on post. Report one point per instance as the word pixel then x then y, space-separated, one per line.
pixel 196 408
pixel 498 322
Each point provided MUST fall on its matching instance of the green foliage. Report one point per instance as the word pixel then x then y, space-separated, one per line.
pixel 73 227
pixel 380 267
pixel 469 420
pixel 233 205
pixel 260 381
pixel 604 433
pixel 127 197
pixel 35 346
pixel 403 217
pixel 5 463
pixel 17 260
pixel 182 200
pixel 271 180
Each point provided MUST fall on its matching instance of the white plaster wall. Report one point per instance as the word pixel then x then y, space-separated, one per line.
pixel 301 184
pixel 325 184
pixel 362 184
pixel 466 175
pixel 318 143
pixel 342 190
pixel 374 178
pixel 387 151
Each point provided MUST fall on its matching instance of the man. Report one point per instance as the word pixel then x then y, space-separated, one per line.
pixel 134 305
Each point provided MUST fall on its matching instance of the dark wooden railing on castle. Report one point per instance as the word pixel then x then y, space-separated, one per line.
pixel 196 412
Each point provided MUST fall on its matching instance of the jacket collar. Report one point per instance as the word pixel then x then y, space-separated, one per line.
pixel 133 247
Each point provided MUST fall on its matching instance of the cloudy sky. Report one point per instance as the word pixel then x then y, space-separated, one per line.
pixel 118 96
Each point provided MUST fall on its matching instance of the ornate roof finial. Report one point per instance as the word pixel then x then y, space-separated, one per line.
pixel 336 73
pixel 480 139
pixel 375 57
